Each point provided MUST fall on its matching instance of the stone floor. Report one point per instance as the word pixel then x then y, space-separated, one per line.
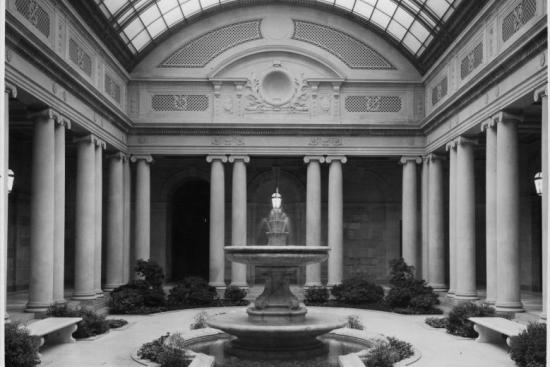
pixel 436 346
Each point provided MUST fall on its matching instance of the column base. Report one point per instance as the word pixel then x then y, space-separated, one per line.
pixel 84 296
pixel 60 302
pixel 438 287
pixel 462 298
pixel 312 284
pixel 242 285
pixel 99 293
pixel 37 307
pixel 509 307
pixel 111 287
pixel 490 301
pixel 451 293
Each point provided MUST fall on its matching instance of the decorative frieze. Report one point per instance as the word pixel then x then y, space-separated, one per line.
pixel 227 141
pixel 372 103
pixel 35 14
pixel 112 88
pixel 353 52
pixel 520 15
pixel 201 50
pixel 182 102
pixel 472 60
pixel 439 91
pixel 79 57
pixel 325 141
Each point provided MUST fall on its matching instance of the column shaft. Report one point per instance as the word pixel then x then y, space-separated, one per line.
pixel 142 237
pixel 453 179
pixel 335 221
pixel 42 214
pixel 217 221
pixel 98 216
pixel 115 224
pixel 508 290
pixel 59 217
pixel 238 216
pixel 409 212
pixel 85 220
pixel 491 210
pixel 465 245
pixel 436 252
pixel 313 215
pixel 425 217
pixel 127 220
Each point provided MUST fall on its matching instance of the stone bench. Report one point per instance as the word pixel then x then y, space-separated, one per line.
pixel 54 329
pixel 491 329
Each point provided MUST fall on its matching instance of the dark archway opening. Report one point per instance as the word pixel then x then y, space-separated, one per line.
pixel 190 231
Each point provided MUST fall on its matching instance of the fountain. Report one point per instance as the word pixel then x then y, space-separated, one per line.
pixel 276 325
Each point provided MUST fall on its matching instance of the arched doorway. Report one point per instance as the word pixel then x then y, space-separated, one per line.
pixel 190 231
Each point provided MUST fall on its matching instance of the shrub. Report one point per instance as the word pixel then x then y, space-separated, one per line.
pixel 21 349
pixel 140 296
pixel 199 321
pixel 92 323
pixel 385 354
pixel 437 322
pixel 355 323
pixel 116 323
pixel 458 323
pixel 192 292
pixel 234 294
pixel 316 295
pixel 174 354
pixel 152 350
pixel 357 290
pixel 409 295
pixel 529 347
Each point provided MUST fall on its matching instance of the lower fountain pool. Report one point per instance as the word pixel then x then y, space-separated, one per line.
pixel 333 346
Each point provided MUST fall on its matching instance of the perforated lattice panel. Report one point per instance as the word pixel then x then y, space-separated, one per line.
pixel 200 51
pixel 471 61
pixel 439 91
pixel 522 13
pixel 80 57
pixel 112 88
pixel 189 102
pixel 35 14
pixel 373 103
pixel 350 50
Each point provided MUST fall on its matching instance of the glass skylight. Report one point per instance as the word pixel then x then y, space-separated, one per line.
pixel 411 23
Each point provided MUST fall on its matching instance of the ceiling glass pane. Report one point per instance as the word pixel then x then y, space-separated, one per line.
pixel 411 23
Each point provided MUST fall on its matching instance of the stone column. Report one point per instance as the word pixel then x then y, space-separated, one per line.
pixel 313 215
pixel 335 220
pixel 127 219
pixel 142 236
pixel 115 223
pixel 465 235
pixel 491 209
pixel 100 146
pixel 59 207
pixel 238 216
pixel 425 221
pixel 451 148
pixel 42 212
pixel 84 280
pixel 409 210
pixel 9 91
pixel 542 95
pixel 217 221
pixel 508 290
pixel 436 236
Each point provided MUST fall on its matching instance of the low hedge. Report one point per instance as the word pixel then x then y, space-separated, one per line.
pixel 316 295
pixel 458 323
pixel 192 292
pixel 92 323
pixel 20 348
pixel 529 347
pixel 357 290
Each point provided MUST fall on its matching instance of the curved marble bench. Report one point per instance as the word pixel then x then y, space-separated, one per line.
pixel 55 329
pixel 491 329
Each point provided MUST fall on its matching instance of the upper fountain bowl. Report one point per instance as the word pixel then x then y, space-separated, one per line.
pixel 277 256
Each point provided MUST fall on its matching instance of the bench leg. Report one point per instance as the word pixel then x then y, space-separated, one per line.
pixel 64 335
pixel 487 335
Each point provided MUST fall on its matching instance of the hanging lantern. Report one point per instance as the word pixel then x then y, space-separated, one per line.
pixel 11 178
pixel 538 183
pixel 276 199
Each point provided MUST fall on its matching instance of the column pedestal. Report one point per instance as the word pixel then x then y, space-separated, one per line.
pixel 313 215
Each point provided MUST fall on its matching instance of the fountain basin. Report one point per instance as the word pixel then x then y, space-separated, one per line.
pixel 277 256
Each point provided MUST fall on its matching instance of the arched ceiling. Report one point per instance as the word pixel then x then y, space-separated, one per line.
pixel 412 25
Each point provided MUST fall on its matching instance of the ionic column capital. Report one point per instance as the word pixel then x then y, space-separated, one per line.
pixel 118 155
pixel 10 89
pixel 502 117
pixel 406 159
pixel 451 145
pixel 432 157
pixel 212 158
pixel 540 93
pixel 235 158
pixel 311 158
pixel 462 140
pixel 48 114
pixel 147 158
pixel 488 124
pixel 425 159
pixel 335 158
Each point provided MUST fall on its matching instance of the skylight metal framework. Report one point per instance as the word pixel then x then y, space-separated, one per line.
pixel 413 24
